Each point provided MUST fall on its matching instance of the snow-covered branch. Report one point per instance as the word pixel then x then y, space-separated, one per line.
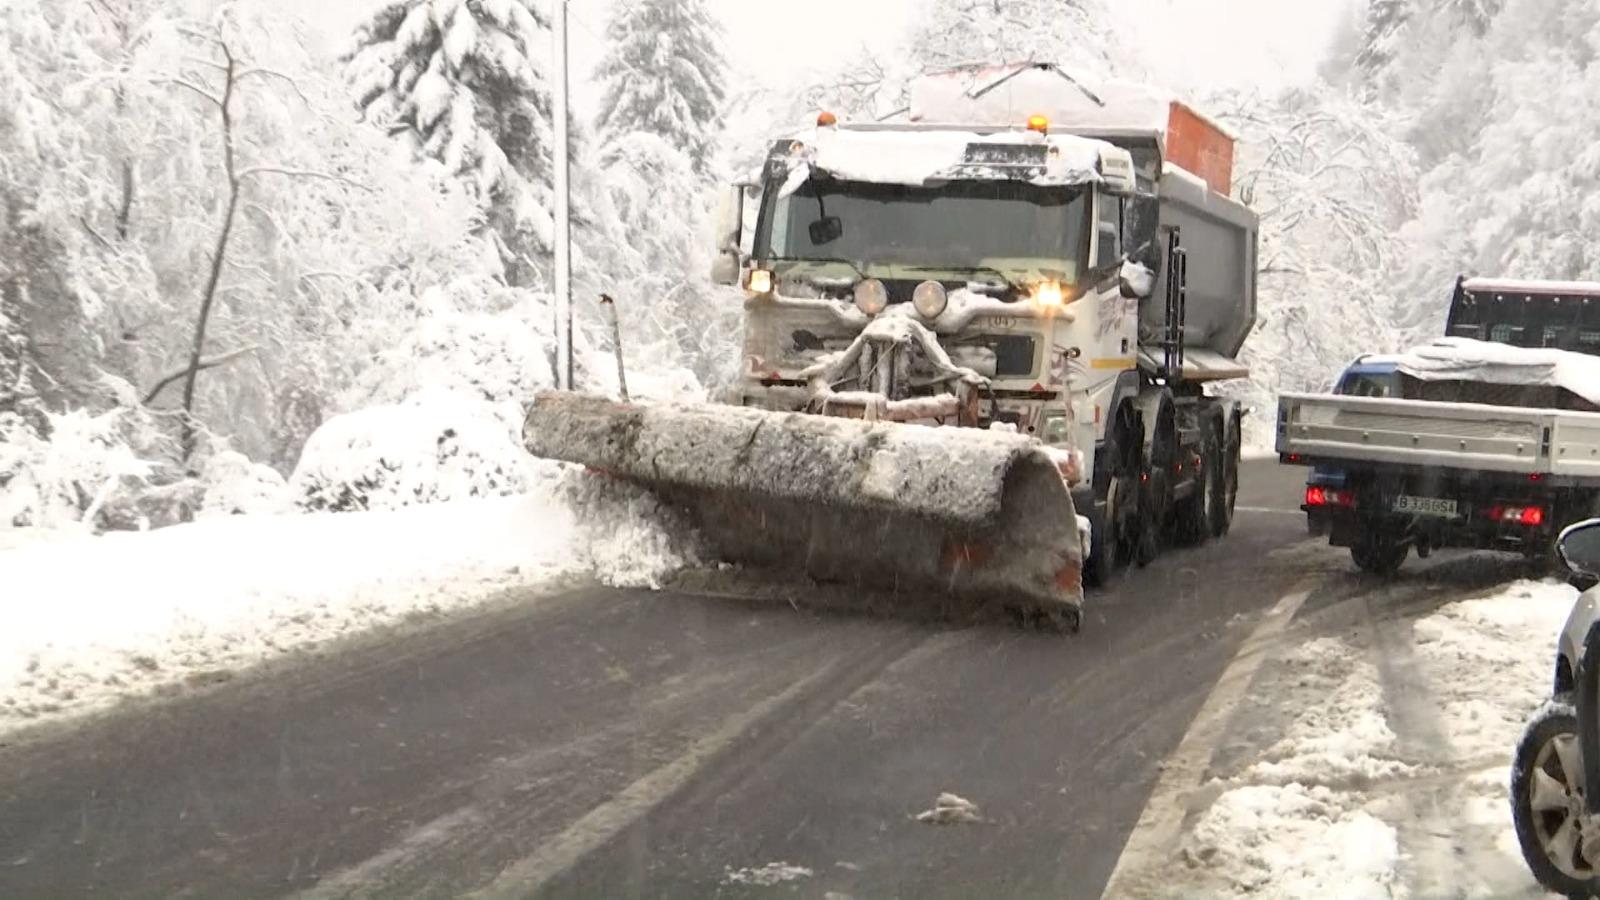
pixel 210 362
pixel 191 86
pixel 287 172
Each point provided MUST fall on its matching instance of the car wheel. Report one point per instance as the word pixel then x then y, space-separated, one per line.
pixel 1558 838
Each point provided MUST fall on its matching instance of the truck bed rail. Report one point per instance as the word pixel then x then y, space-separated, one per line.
pixel 1425 433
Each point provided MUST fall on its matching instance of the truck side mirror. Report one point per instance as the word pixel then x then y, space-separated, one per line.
pixel 1579 546
pixel 726 264
pixel 1136 280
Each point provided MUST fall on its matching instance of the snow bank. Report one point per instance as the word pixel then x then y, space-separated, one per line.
pixel 1295 841
pixel 87 470
pixel 1340 740
pixel 236 486
pixel 440 445
pixel 95 618
pixel 1388 772
pixel 1507 643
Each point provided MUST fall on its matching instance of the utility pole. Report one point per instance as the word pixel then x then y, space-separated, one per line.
pixel 563 247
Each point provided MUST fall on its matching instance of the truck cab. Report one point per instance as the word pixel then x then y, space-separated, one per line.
pixel 1000 250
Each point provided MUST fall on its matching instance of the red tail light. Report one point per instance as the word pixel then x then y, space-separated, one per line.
pixel 1530 516
pixel 1321 496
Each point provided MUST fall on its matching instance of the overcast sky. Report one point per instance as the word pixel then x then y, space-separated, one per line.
pixel 1199 42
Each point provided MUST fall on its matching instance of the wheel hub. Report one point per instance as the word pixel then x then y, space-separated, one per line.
pixel 1566 832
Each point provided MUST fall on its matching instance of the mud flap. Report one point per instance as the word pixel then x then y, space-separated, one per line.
pixel 978 515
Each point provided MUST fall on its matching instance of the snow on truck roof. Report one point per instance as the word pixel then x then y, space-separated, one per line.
pixel 1529 286
pixel 917 156
pixel 1005 92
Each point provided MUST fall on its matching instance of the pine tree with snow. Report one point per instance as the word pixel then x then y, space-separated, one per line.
pixel 465 82
pixel 663 73
pixel 1385 19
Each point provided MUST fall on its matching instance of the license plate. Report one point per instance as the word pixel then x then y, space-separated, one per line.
pixel 1425 506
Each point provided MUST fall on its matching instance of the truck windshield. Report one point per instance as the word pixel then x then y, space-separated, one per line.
pixel 1011 227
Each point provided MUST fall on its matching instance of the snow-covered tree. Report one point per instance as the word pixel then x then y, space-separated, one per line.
pixel 1331 187
pixel 670 311
pixel 1080 34
pixel 1385 21
pixel 663 73
pixel 464 83
pixel 1520 198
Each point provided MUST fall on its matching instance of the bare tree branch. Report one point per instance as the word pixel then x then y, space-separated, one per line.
pixel 94 234
pixel 179 82
pixel 210 362
pixel 250 171
pixel 265 72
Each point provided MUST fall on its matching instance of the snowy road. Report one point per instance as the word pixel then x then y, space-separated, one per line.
pixel 607 743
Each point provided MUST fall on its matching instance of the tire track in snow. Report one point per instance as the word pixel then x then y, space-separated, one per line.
pixel 1422 813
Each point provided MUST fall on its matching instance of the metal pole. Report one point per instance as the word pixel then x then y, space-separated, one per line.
pixel 563 247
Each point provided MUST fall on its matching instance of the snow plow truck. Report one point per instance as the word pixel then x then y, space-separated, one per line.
pixel 1054 272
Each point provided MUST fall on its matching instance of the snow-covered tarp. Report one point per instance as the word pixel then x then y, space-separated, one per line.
pixel 920 157
pixel 1464 359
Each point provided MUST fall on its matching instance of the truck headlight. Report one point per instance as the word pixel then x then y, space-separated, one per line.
pixel 759 281
pixel 929 299
pixel 1048 296
pixel 872 297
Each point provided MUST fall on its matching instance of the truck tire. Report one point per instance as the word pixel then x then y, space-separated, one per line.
pixel 1377 553
pixel 1197 514
pixel 1155 483
pixel 1116 529
pixel 1539 779
pixel 1231 444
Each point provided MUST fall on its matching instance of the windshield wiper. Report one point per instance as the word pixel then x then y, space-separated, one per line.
pixel 860 273
pixel 971 270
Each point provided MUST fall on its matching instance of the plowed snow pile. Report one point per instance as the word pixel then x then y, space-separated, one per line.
pixel 1374 762
pixel 90 618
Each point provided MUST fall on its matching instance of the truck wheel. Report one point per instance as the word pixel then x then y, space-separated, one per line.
pixel 1116 531
pixel 1378 554
pixel 1229 482
pixel 1547 807
pixel 1197 514
pixel 1155 503
pixel 1112 542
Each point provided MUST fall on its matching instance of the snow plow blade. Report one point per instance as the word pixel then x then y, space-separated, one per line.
pixel 916 510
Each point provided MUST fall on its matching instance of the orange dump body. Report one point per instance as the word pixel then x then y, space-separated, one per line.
pixel 1200 147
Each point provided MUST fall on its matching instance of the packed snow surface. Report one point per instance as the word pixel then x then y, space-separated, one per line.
pixel 96 617
pixel 769 875
pixel 1374 761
